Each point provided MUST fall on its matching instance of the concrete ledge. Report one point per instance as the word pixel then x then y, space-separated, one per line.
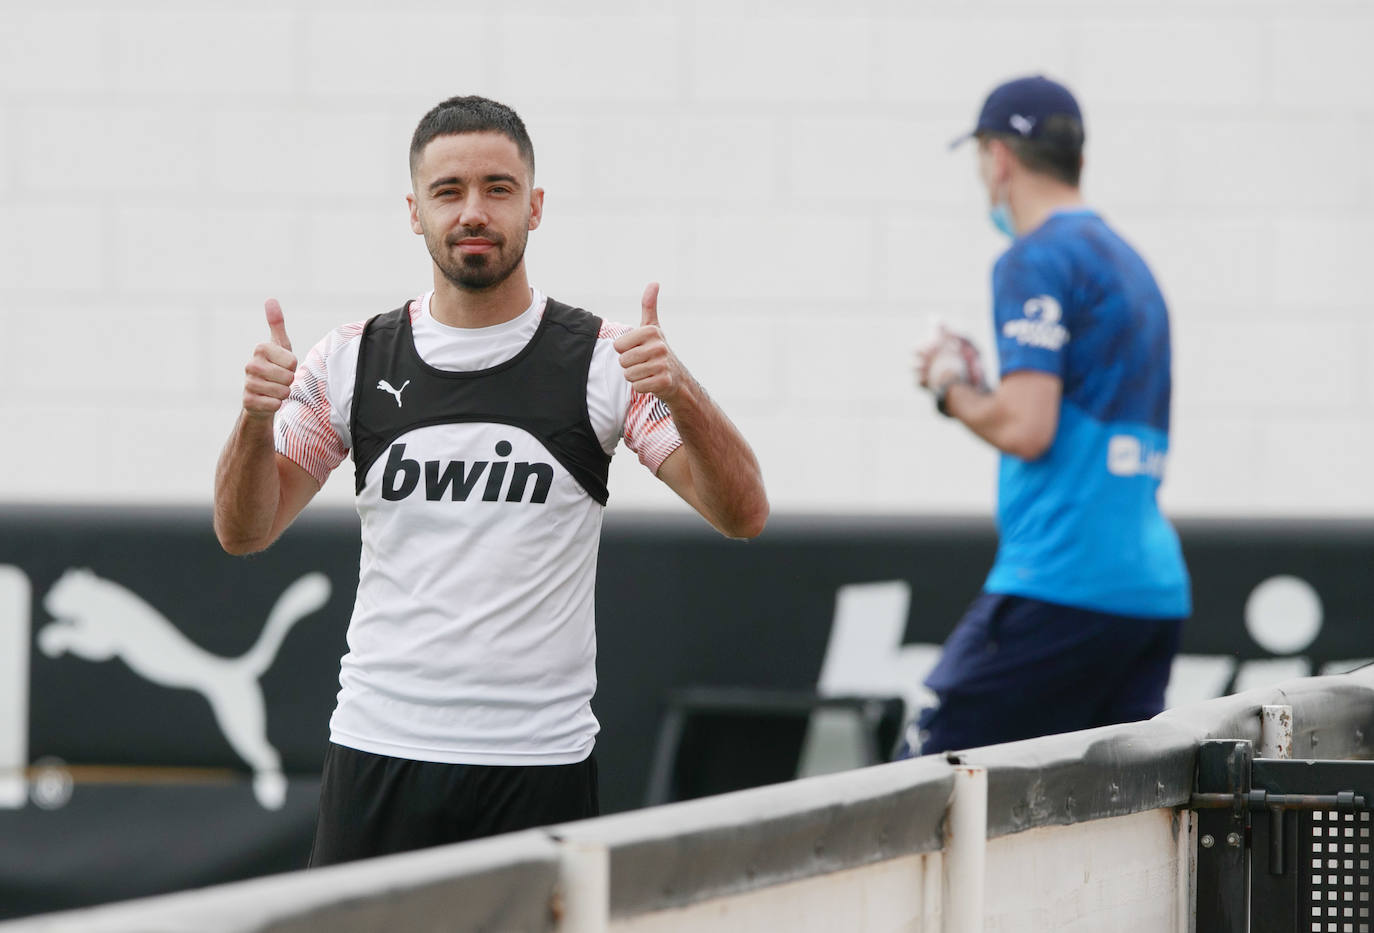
pixel 506 883
pixel 678 854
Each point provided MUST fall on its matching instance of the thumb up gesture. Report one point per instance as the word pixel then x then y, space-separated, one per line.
pixel 271 369
pixel 650 366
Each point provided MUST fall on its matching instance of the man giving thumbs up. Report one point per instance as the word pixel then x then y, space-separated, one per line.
pixel 481 417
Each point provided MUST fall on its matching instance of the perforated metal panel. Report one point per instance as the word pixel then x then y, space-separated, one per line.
pixel 1336 854
pixel 1291 837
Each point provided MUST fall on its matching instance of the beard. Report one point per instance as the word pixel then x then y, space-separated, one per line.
pixel 480 271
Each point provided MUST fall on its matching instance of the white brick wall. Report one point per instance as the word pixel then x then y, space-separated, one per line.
pixel 199 53
pixel 44 51
pixel 779 166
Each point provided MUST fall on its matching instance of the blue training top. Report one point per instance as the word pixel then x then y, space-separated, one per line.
pixel 1081 526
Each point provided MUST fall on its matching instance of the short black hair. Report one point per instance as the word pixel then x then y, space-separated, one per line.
pixel 471 114
pixel 1057 151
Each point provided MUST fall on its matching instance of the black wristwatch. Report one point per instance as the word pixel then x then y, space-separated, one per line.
pixel 942 400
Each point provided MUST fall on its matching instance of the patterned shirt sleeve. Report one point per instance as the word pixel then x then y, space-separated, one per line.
pixel 303 430
pixel 1031 301
pixel 649 430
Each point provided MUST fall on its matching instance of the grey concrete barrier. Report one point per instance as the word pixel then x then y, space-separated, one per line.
pixel 682 853
pixel 655 869
pixel 508 883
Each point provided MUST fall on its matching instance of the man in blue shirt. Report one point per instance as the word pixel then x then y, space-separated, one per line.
pixel 1079 620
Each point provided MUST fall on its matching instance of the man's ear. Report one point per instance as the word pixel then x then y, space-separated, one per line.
pixel 1001 159
pixel 536 207
pixel 414 214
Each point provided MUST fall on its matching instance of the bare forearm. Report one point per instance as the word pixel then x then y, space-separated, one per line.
pixel 977 409
pixel 257 493
pixel 714 470
pixel 247 487
pixel 1009 418
pixel 725 473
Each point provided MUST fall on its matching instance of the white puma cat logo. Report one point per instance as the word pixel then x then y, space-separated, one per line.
pixel 98 619
pixel 386 387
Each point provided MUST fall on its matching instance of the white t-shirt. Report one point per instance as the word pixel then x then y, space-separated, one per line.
pixel 473 637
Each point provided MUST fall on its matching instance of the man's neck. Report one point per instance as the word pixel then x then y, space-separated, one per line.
pixel 459 307
pixel 1038 199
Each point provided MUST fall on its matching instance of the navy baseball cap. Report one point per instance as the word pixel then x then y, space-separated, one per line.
pixel 1022 107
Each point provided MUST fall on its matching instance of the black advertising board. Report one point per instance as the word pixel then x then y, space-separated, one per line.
pixel 173 693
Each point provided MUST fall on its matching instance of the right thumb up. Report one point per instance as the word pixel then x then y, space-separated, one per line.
pixel 276 323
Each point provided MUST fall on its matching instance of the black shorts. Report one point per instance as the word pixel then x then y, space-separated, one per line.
pixel 375 805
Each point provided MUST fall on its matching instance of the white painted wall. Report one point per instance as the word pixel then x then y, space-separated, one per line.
pixel 779 166
pixel 900 895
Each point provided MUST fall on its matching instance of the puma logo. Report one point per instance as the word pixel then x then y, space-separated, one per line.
pixel 386 387
pixel 97 619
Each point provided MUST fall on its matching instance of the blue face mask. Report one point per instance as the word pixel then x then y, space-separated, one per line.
pixel 1000 215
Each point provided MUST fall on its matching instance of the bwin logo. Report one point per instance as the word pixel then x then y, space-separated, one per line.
pixel 460 479
pixel 97 619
